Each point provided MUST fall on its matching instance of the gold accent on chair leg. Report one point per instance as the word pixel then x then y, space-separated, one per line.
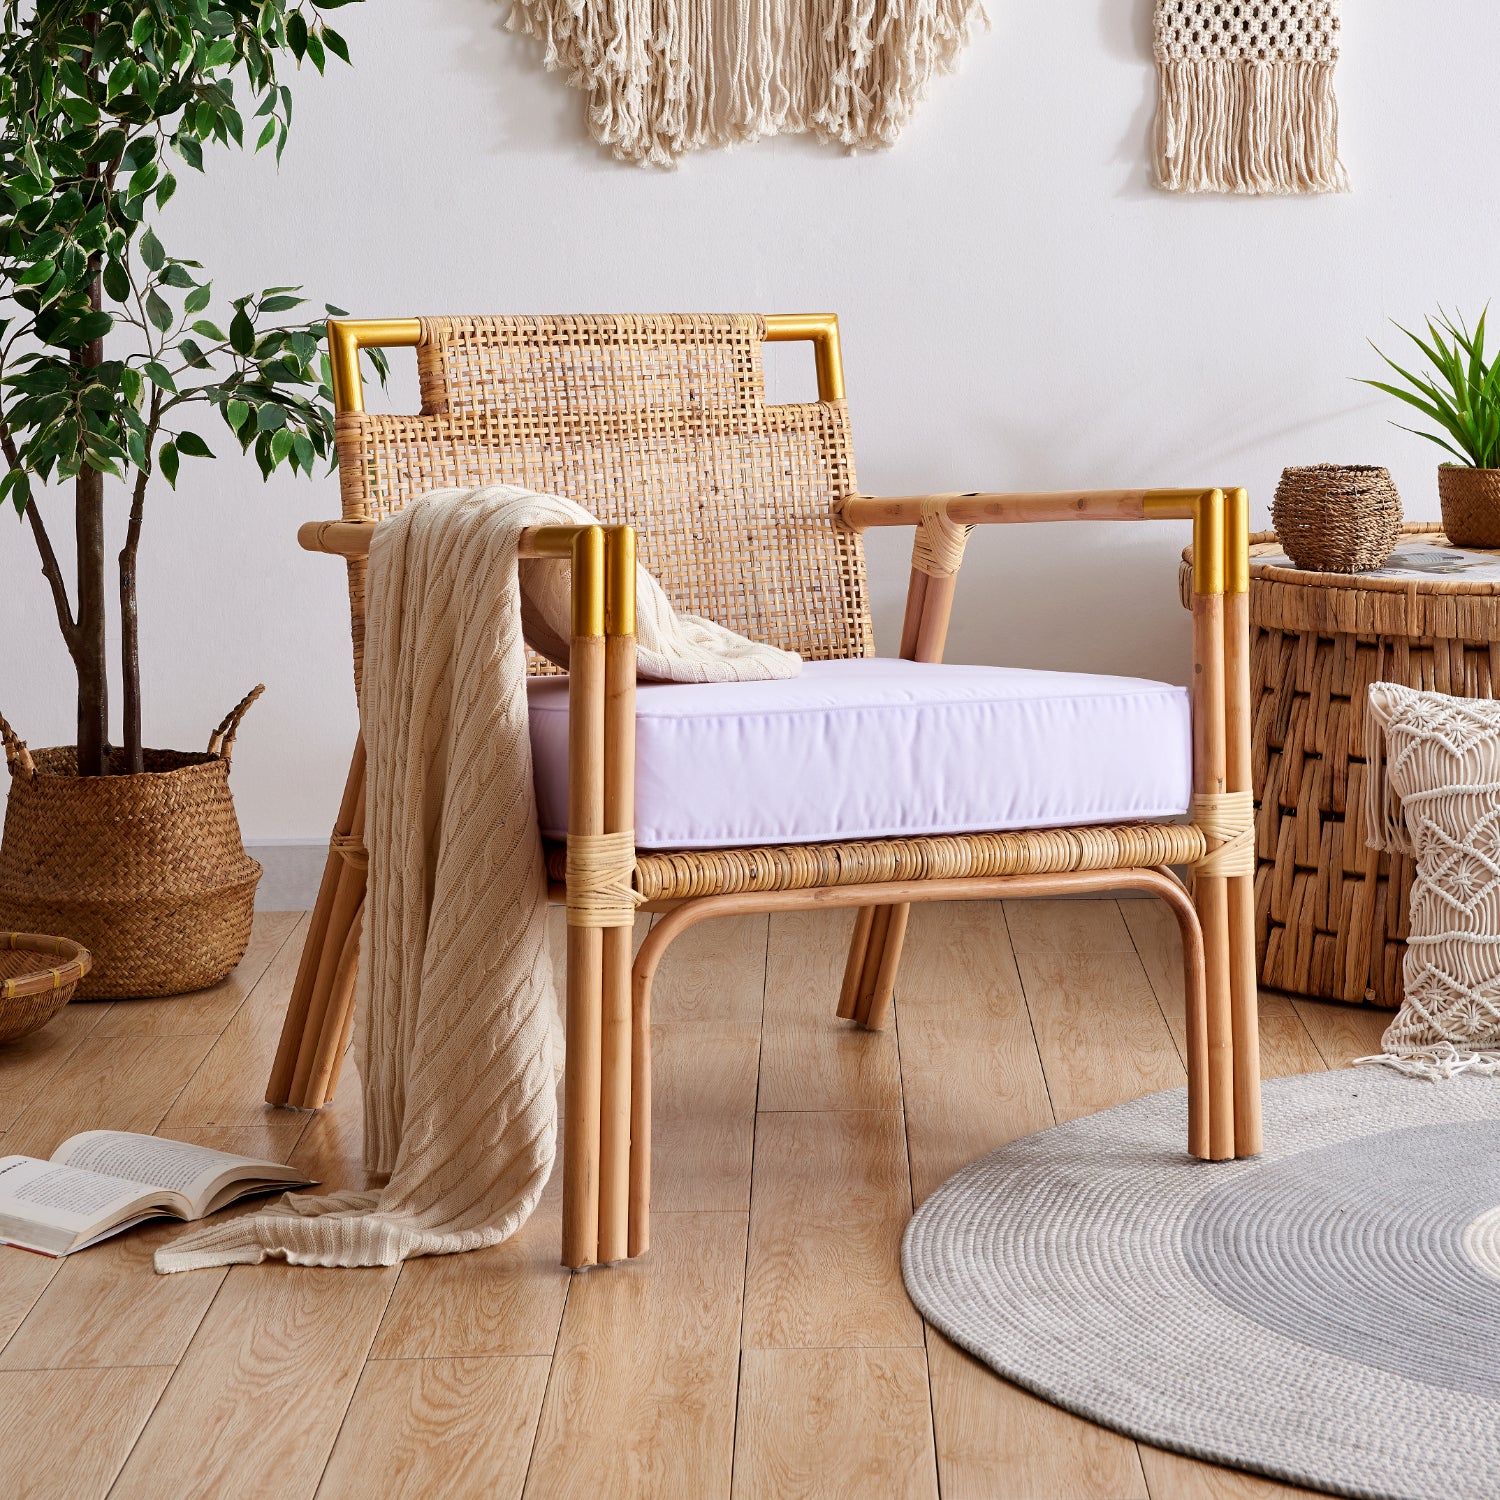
pixel 1244 981
pixel 585 979
pixel 295 1028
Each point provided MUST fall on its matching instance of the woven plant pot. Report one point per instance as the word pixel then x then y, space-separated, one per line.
pixel 1337 518
pixel 1471 505
pixel 37 978
pixel 147 871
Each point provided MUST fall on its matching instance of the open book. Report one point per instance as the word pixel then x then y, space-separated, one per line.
pixel 103 1181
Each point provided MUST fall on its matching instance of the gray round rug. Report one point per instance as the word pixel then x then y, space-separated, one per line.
pixel 1327 1313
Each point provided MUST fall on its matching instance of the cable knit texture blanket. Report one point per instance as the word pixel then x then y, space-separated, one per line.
pixel 456 1014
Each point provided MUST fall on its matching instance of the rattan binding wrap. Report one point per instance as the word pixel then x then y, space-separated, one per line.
pixel 659 421
pixel 1330 913
pixel 801 867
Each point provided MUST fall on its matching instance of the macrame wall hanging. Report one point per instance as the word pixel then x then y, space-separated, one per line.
pixel 669 76
pixel 1247 102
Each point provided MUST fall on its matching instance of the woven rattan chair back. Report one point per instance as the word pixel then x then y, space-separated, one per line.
pixel 658 421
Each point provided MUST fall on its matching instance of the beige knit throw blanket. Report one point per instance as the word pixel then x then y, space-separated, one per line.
pixel 456 1012
pixel 668 76
pixel 1246 96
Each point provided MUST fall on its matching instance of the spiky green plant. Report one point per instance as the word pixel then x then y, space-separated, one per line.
pixel 1461 393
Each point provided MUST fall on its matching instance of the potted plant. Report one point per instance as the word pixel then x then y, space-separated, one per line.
pixel 108 345
pixel 1461 394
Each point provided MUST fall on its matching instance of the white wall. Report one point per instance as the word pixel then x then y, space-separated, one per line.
pixel 1020 308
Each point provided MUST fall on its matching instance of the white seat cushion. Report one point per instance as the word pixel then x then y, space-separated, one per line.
pixel 884 749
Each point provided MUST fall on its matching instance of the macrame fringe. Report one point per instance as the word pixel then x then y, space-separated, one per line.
pixel 1435 1063
pixel 1233 125
pixel 669 76
pixel 1385 827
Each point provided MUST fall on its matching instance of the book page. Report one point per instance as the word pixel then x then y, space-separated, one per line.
pixel 156 1162
pixel 46 1193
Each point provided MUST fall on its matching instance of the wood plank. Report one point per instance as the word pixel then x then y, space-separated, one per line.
pixel 505 1300
pixel 228 1088
pixel 1285 1046
pixel 107 1307
pixel 642 1395
pixel 832 1197
pixel 1101 1035
pixel 107 1083
pixel 1343 1032
pixel 994 1439
pixel 1173 1477
pixel 68 1431
pixel 23 1279
pixel 1084 925
pixel 970 1075
pixel 703 1082
pixel 28 1064
pixel 206 1012
pixel 259 1396
pixel 811 1060
pixel 834 1422
pixel 419 1428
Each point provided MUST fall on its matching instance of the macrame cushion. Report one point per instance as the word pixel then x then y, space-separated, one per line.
pixel 1439 799
pixel 876 748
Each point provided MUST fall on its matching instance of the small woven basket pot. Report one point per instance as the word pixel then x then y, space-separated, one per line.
pixel 1471 505
pixel 147 871
pixel 1337 518
pixel 37 978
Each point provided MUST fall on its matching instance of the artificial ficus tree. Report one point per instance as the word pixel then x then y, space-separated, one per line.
pixel 108 343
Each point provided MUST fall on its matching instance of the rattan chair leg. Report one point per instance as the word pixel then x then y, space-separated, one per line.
pixel 640 1108
pixel 1210 892
pixel 294 1027
pixel 338 1024
pixel 1195 1013
pixel 619 817
pixel 582 1078
pixel 1244 991
pixel 854 965
pixel 869 971
pixel 878 1012
pixel 321 1010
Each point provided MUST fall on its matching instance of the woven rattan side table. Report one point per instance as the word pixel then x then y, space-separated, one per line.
pixel 1330 913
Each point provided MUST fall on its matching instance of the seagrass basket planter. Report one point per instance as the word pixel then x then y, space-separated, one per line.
pixel 1337 518
pixel 1471 505
pixel 1331 914
pixel 146 871
pixel 38 976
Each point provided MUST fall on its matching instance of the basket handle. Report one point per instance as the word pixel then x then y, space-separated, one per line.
pixel 221 741
pixel 17 756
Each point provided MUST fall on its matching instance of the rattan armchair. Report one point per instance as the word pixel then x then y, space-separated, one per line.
pixel 748 513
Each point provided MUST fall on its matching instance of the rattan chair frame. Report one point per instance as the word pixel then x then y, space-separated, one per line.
pixel 607 1104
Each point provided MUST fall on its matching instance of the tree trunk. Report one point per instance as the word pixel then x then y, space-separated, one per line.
pixel 130 649
pixel 89 658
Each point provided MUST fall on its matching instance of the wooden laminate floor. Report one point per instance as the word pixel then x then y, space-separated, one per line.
pixel 764 1348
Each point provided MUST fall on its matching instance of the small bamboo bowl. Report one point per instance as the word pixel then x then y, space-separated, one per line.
pixel 31 991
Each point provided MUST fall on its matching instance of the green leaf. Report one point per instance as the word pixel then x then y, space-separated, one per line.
pixel 272 417
pixel 296 34
pixel 340 49
pixel 158 374
pixel 158 311
pixel 130 385
pixel 204 329
pixel 236 413
pixel 164 190
pixel 266 135
pixel 152 252
pixel 281 304
pixel 242 333
pixel 37 274
pixel 178 277
pixel 116 282
pixel 167 459
pixel 196 300
pixel 193 445
pixel 281 445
